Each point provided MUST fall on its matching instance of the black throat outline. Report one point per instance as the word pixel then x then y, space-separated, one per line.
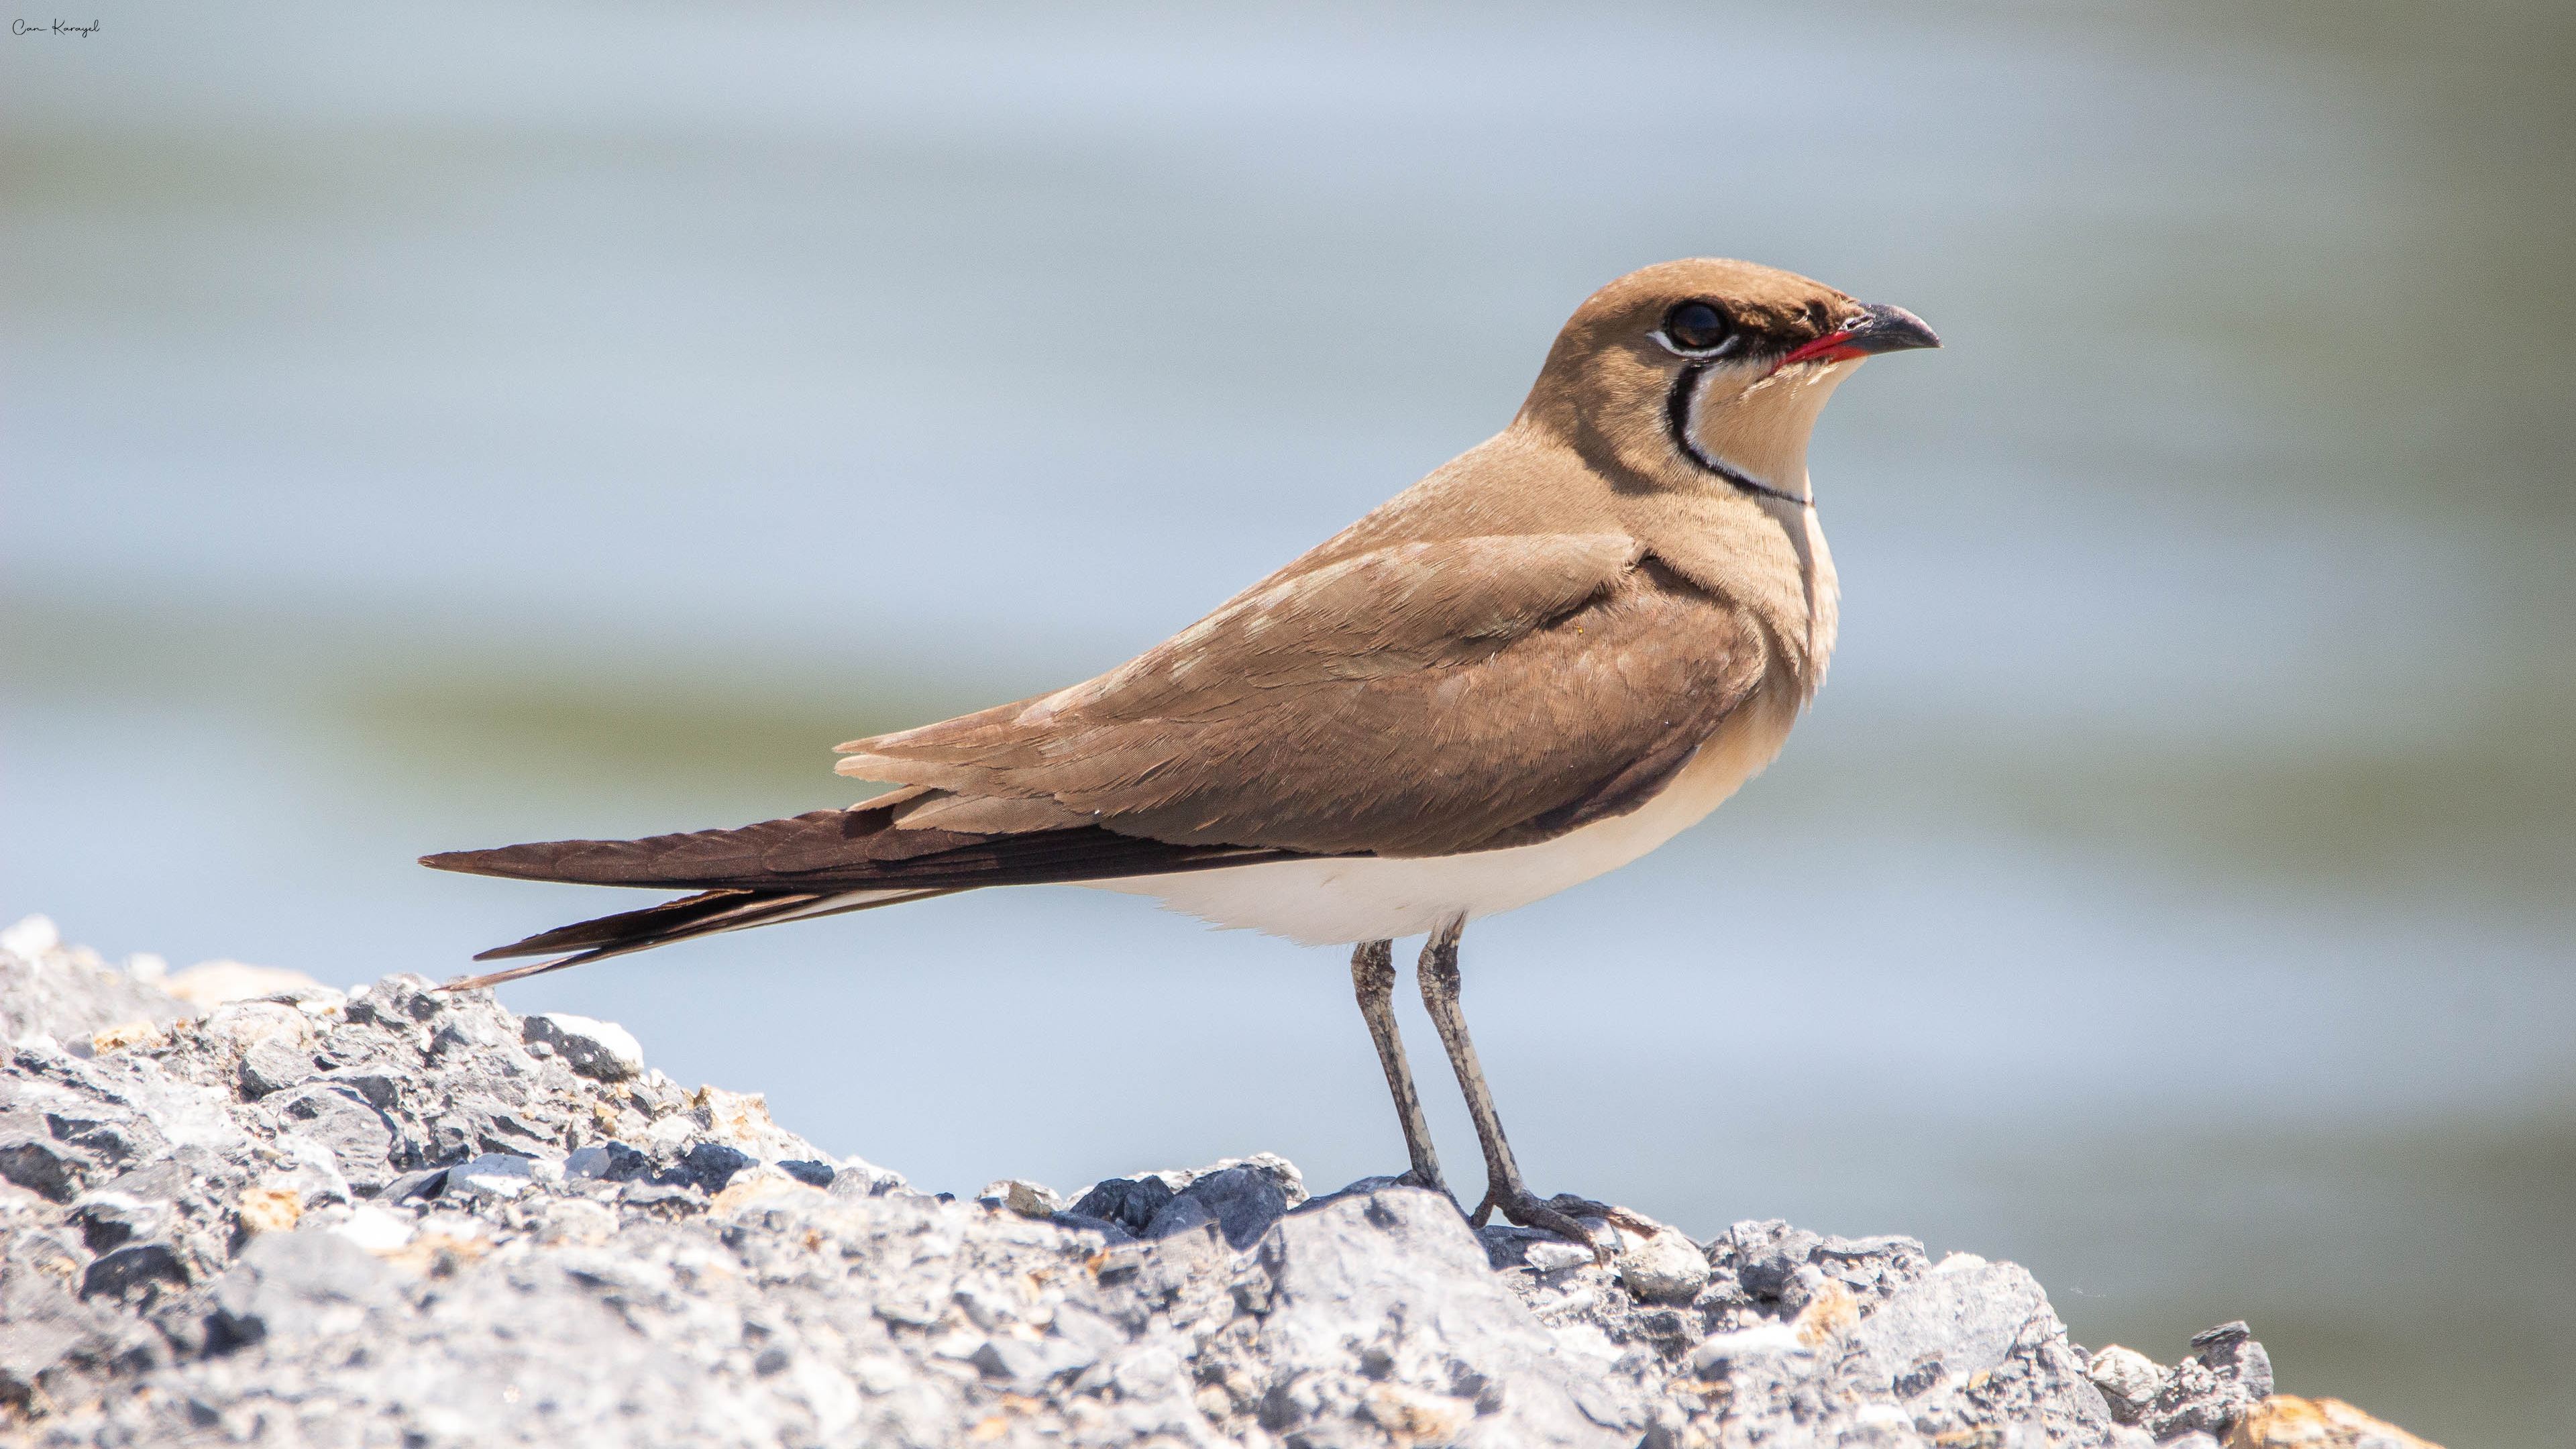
pixel 1677 410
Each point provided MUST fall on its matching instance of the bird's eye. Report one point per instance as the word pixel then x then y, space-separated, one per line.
pixel 1698 327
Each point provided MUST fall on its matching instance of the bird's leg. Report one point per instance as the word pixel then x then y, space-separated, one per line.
pixel 1503 1185
pixel 1373 979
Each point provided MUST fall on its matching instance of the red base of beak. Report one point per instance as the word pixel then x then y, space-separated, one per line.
pixel 1832 347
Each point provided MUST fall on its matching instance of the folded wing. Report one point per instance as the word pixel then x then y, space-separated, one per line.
pixel 1423 699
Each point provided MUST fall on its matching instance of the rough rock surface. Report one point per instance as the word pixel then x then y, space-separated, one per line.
pixel 407 1218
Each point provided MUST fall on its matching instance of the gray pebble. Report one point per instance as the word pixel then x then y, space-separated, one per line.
pixel 611 1161
pixel 1129 1202
pixel 602 1050
pixel 810 1172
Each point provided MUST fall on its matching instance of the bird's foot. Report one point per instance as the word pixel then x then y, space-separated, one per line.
pixel 1557 1215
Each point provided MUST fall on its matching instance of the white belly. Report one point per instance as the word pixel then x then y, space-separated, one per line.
pixel 1363 898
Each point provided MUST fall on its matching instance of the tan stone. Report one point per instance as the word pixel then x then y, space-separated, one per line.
pixel 269 1209
pixel 245 1024
pixel 212 983
pixel 1411 1416
pixel 2286 1421
pixel 127 1034
pixel 1828 1316
pixel 757 1186
pixel 742 1119
pixel 1028 1199
pixel 435 1254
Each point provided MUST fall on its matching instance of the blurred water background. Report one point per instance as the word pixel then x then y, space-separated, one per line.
pixel 453 425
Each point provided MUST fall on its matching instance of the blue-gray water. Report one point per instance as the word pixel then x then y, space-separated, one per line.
pixel 490 423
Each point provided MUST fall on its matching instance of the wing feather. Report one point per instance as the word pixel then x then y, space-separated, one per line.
pixel 1424 699
pixel 1420 699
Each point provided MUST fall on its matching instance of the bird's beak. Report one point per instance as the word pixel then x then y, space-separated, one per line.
pixel 1877 329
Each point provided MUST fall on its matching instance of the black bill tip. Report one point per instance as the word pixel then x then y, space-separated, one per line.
pixel 1889 329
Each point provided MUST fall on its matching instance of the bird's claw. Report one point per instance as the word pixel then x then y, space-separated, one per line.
pixel 1556 1215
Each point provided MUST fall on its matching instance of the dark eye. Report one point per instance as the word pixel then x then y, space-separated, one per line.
pixel 1698 327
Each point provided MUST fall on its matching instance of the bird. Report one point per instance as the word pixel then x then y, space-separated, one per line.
pixel 1544 659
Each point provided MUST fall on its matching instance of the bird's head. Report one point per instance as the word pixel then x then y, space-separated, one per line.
pixel 1708 371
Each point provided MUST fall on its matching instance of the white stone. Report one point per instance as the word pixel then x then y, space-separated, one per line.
pixel 1763 1341
pixel 1882 1416
pixel 455 1226
pixel 376 1230
pixel 31 937
pixel 1665 1268
pixel 497 1174
pixel 865 1179
pixel 1556 1257
pixel 2125 1375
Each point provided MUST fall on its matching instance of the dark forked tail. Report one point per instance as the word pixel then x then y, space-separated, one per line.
pixel 825 863
pixel 704 914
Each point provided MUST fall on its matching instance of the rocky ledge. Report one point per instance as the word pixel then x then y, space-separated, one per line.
pixel 244 1207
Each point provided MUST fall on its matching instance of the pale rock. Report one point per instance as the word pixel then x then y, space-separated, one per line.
pixel 494 1174
pixel 2127 1378
pixel 1721 1351
pixel 762 1187
pixel 1666 1267
pixel 313 1171
pixel 1028 1199
pixel 213 983
pixel 376 1230
pixel 578 1220
pixel 1556 1256
pixel 30 937
pixel 246 1024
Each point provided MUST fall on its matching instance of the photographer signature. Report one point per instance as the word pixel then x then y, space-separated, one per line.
pixel 59 27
